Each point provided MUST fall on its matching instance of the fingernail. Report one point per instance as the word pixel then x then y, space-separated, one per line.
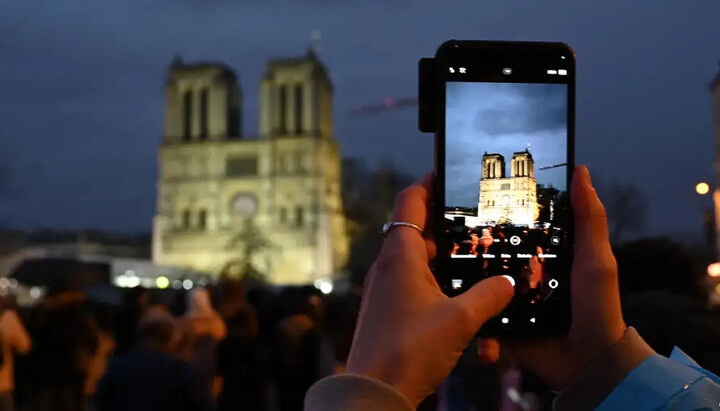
pixel 510 279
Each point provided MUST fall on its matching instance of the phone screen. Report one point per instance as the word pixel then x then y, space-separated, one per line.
pixel 506 161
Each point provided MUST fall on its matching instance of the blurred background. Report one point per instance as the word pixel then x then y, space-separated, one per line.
pixel 156 155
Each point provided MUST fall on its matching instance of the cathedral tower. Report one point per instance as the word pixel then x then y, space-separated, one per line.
pixel 296 98
pixel 522 164
pixel 284 183
pixel 202 102
pixel 493 166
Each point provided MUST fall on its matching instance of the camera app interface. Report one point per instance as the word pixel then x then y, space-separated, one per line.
pixel 506 185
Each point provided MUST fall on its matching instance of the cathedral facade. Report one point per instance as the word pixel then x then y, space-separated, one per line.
pixel 273 200
pixel 510 199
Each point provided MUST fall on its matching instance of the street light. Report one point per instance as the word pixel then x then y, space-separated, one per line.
pixel 702 188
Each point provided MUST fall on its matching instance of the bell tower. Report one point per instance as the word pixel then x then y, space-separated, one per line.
pixel 202 102
pixel 296 98
pixel 522 164
pixel 493 166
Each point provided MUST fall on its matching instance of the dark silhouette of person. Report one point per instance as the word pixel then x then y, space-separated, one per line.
pixel 296 351
pixel 127 318
pixel 65 339
pixel 243 366
pixel 150 377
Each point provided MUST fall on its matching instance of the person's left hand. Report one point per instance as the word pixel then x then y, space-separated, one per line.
pixel 409 334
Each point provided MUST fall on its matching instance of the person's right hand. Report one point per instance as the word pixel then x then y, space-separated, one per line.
pixel 597 321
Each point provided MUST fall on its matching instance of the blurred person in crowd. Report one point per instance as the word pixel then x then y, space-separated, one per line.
pixel 65 339
pixel 405 347
pixel 15 340
pixel 203 329
pixel 228 298
pixel 150 377
pixel 135 300
pixel 156 306
pixel 242 366
pixel 99 361
pixel 296 349
pixel 263 304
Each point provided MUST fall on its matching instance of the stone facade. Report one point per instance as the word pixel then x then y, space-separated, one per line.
pixel 213 181
pixel 508 199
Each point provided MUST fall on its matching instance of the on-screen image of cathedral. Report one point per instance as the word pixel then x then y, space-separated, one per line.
pixel 505 182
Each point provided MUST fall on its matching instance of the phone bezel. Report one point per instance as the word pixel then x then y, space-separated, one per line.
pixel 455 52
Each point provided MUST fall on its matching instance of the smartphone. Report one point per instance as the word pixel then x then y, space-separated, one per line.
pixel 503 116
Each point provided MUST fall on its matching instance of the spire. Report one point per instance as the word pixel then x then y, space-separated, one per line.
pixel 177 61
pixel 315 43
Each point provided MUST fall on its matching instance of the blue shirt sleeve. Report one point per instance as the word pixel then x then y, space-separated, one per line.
pixel 677 383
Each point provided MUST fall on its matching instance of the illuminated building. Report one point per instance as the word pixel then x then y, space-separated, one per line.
pixel 286 181
pixel 506 199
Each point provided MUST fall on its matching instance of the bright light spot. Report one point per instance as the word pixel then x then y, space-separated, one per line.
pixel 702 188
pixel 514 395
pixel 177 284
pixel 187 284
pixel 120 281
pixel 35 292
pixel 713 270
pixel 131 282
pixel 4 282
pixel 505 320
pixel 318 283
pixel 162 282
pixel 326 287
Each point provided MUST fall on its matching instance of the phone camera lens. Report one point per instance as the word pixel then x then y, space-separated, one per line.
pixel 507 71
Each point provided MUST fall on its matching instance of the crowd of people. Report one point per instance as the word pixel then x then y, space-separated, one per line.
pixel 217 348
pixel 532 261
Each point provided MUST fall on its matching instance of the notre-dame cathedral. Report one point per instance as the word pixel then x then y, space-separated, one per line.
pixel 214 182
pixel 508 199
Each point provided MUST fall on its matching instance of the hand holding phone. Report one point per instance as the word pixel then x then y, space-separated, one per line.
pixel 409 335
pixel 597 318
pixel 503 117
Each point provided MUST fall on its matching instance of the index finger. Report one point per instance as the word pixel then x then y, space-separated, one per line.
pixel 411 204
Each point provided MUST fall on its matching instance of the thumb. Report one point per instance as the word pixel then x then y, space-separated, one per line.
pixel 591 230
pixel 485 300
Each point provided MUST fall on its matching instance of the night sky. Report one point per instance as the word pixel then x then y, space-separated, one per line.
pixel 502 118
pixel 81 86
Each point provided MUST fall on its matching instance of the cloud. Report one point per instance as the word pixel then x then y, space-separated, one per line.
pixel 534 108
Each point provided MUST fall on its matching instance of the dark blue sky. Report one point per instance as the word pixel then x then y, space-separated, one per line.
pixel 81 89
pixel 502 118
